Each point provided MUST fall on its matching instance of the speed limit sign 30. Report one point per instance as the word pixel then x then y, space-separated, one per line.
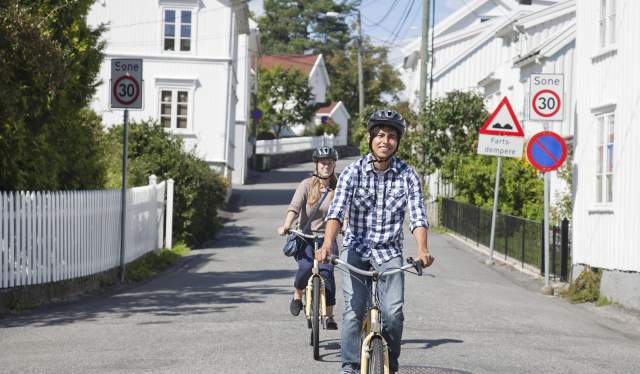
pixel 546 93
pixel 126 83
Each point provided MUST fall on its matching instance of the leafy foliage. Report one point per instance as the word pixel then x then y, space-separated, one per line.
pixel 381 81
pixel 49 60
pixel 330 128
pixel 199 191
pixel 296 26
pixel 284 97
pixel 586 288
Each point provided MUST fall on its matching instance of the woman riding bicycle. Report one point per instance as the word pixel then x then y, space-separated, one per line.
pixel 304 201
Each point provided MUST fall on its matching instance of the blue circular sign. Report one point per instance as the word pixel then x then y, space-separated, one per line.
pixel 546 151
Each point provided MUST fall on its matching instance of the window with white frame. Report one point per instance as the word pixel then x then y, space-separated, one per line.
pixel 605 131
pixel 174 108
pixel 607 22
pixel 177 30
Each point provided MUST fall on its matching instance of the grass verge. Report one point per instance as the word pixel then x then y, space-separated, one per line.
pixel 153 263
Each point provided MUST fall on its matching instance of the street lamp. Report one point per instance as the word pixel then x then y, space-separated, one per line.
pixel 360 78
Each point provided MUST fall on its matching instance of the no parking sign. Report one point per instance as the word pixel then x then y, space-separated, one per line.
pixel 546 151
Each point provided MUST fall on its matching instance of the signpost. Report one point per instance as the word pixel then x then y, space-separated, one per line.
pixel 546 150
pixel 126 93
pixel 501 135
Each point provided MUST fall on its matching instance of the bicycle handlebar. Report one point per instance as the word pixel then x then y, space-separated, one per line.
pixel 303 235
pixel 411 263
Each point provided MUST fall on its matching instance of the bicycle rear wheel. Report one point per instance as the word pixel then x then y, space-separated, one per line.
pixel 315 318
pixel 376 357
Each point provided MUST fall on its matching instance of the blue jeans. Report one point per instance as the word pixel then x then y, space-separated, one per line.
pixel 304 258
pixel 357 291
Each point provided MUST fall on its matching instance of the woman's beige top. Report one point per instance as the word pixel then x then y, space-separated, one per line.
pixel 299 206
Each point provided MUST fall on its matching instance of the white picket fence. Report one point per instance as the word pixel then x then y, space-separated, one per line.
pixel 52 236
pixel 298 143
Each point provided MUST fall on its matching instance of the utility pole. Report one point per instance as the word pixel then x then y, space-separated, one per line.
pixel 424 53
pixel 360 78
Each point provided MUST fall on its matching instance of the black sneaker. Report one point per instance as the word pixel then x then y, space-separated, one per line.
pixel 295 307
pixel 331 323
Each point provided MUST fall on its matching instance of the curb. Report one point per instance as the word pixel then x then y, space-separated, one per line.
pixel 509 261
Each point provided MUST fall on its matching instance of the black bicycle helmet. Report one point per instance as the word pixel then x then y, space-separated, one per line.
pixel 324 152
pixel 387 117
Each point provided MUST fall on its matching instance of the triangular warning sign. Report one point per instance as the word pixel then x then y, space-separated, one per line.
pixel 502 121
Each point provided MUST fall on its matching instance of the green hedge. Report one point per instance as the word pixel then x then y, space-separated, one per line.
pixel 199 191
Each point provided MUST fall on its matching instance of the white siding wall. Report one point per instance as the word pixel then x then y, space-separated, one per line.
pixel 608 236
pixel 208 72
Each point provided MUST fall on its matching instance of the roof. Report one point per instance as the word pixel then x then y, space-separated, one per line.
pixel 327 109
pixel 549 47
pixel 305 63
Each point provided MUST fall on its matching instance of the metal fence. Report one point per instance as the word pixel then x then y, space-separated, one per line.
pixel 515 237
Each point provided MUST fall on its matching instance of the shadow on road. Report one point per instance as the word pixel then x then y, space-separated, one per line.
pixel 279 176
pixel 182 293
pixel 232 236
pixel 428 343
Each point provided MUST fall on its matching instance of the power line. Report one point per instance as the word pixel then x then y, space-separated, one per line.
pixel 403 19
pixel 393 5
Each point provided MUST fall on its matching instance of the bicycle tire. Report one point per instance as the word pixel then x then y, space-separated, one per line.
pixel 315 318
pixel 376 357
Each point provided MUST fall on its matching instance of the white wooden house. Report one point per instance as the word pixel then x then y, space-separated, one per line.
pixel 195 72
pixel 492 47
pixel 314 67
pixel 607 155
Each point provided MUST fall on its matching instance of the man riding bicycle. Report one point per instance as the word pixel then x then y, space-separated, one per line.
pixel 376 190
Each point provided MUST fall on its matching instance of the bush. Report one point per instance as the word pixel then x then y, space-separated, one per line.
pixel 199 191
pixel 586 288
pixel 326 128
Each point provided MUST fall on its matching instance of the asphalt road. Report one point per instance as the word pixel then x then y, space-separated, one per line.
pixel 225 310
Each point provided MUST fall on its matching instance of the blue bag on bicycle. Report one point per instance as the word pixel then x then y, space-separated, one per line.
pixel 292 245
pixel 295 243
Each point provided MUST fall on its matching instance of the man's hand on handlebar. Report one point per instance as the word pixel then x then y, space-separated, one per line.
pixel 322 253
pixel 426 259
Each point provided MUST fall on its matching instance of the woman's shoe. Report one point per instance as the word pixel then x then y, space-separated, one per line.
pixel 331 323
pixel 295 307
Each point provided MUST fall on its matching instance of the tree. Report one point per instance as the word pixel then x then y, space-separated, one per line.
pixel 49 60
pixel 284 97
pixel 296 26
pixel 381 81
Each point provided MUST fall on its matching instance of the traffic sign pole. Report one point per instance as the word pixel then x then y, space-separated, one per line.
pixel 547 289
pixel 123 218
pixel 496 193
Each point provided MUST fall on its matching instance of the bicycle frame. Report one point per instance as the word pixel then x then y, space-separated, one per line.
pixel 372 325
pixel 315 273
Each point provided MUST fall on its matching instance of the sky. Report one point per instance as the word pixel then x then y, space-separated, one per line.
pixel 382 18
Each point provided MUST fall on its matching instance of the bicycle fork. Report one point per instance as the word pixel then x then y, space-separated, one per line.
pixel 309 293
pixel 372 327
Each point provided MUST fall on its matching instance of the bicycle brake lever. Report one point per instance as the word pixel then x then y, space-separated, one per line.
pixel 416 265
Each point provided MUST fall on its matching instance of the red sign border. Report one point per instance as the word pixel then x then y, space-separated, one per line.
pixel 535 97
pixel 530 147
pixel 485 127
pixel 135 82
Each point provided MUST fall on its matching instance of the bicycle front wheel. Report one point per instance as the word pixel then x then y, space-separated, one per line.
pixel 315 318
pixel 376 357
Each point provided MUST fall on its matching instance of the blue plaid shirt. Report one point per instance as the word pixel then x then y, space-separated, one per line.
pixel 377 202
